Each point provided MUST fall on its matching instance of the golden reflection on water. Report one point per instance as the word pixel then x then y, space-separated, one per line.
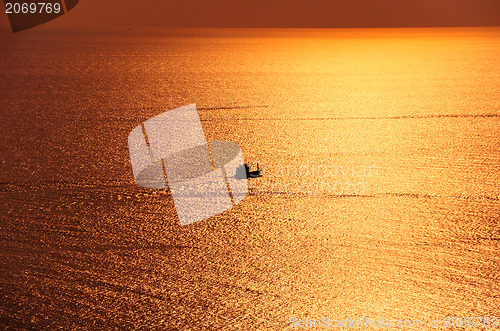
pixel 379 197
pixel 415 238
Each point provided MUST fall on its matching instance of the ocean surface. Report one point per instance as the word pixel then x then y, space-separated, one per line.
pixel 380 198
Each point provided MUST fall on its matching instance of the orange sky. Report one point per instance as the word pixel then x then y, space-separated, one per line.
pixel 281 13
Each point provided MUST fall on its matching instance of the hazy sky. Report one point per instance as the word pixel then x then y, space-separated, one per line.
pixel 281 13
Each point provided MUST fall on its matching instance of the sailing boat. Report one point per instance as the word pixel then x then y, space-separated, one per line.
pixel 253 174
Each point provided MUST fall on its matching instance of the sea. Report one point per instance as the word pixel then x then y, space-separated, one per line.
pixel 379 202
